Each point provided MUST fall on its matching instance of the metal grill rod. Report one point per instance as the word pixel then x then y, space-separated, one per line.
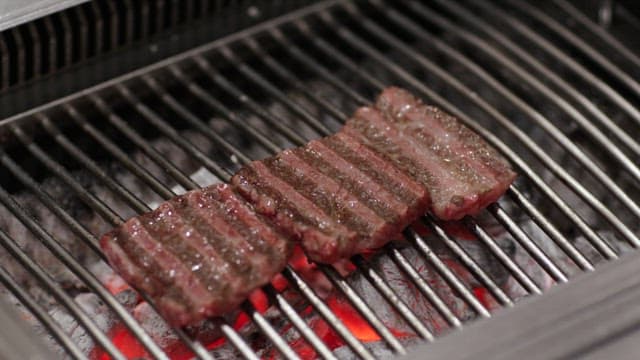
pixel 228 86
pixel 81 157
pixel 468 261
pixel 527 242
pixel 359 43
pixel 362 307
pixel 392 298
pixel 579 43
pixel 607 90
pixel 382 287
pixel 193 120
pixel 402 262
pixel 45 279
pixel 517 272
pixel 66 258
pixel 327 314
pixel 41 314
pixel 298 322
pixel 292 79
pixel 110 300
pixel 553 97
pixel 50 203
pixel 610 39
pixel 97 205
pixel 569 89
pixel 364 311
pixel 270 332
pixel 118 154
pixel 277 34
pixel 601 245
pixel 131 134
pixel 549 229
pixel 533 114
pixel 274 92
pixel 154 119
pixel 450 277
pixel 228 115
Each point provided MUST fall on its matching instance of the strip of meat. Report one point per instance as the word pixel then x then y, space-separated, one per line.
pixel 423 165
pixel 403 187
pixel 373 194
pixel 336 200
pixel 194 255
pixel 202 253
pixel 467 156
pixel 291 212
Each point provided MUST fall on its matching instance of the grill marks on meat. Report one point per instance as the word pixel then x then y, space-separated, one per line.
pixel 202 253
pixel 359 188
pixel 478 174
pixel 291 211
pixel 378 169
pixel 199 254
pixel 421 162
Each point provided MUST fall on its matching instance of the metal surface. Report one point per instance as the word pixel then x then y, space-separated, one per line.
pixel 298 77
pixel 18 341
pixel 17 12
pixel 592 315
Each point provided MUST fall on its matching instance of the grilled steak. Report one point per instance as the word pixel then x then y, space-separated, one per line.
pixel 462 173
pixel 202 253
pixel 197 255
pixel 336 206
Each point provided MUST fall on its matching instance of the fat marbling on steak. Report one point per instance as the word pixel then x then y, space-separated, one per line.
pixel 331 198
pixel 202 253
pixel 197 255
pixel 357 189
pixel 462 173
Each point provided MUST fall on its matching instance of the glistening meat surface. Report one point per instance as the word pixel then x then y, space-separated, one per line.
pixel 202 253
pixel 465 173
pixel 197 255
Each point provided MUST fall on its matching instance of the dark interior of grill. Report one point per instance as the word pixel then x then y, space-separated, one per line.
pixel 106 129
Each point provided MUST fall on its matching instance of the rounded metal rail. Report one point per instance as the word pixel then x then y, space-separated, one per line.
pixel 193 87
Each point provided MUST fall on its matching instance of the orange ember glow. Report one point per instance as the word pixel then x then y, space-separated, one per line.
pixel 131 348
pixel 352 320
pixel 485 298
pixel 123 341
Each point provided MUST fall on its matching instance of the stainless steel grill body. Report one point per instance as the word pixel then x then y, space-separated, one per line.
pixel 554 92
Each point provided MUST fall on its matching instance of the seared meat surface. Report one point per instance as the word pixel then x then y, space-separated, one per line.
pixel 462 173
pixel 202 253
pixel 197 255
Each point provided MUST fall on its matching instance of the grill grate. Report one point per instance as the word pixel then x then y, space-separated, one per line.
pixel 560 111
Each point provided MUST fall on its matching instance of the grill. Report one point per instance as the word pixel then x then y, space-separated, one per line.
pixel 553 91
